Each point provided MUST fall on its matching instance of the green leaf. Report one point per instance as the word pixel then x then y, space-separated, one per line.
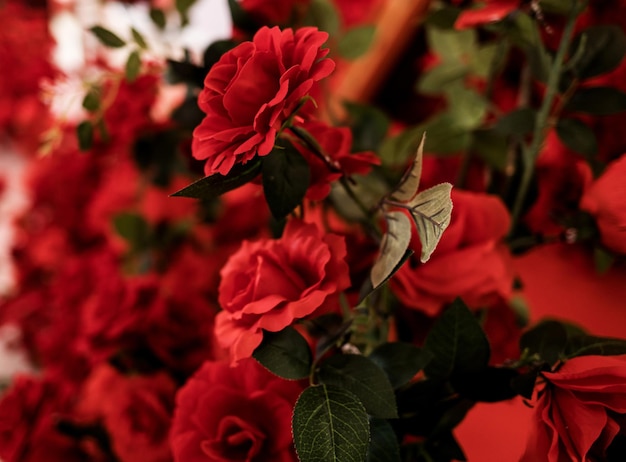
pixel 286 177
pixel 383 446
pixel 285 353
pixel 431 210
pixel 518 122
pixel 466 107
pixel 364 379
pixel 443 17
pixel 395 150
pixel 491 147
pixel 393 247
pixel 369 126
pixel 409 184
pixel 241 18
pixel 598 50
pixel 84 132
pixel 597 101
pixel 457 343
pixel 577 136
pixel 133 228
pixel 323 15
pixel 139 40
pixel 400 361
pixel 215 185
pixel 107 38
pixel 603 259
pixel 451 44
pixel 91 101
pixel 445 136
pixel 486 60
pixel 133 66
pixel 583 345
pixel 158 17
pixel 330 424
pixel 182 6
pixel 524 32
pixel 547 339
pixel 356 41
pixel 435 80
pixel 556 6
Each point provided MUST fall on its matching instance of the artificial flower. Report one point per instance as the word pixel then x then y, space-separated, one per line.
pixel 252 90
pixel 268 284
pixel 234 414
pixel 580 411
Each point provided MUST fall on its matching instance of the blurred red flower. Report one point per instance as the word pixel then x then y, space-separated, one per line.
pixel 226 414
pixel 135 410
pixel 606 201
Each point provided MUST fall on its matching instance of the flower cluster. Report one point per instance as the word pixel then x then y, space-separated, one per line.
pixel 257 270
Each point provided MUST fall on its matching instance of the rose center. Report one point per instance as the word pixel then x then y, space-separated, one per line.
pixel 235 440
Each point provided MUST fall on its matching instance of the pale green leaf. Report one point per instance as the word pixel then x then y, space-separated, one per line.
pixel 431 210
pixel 392 248
pixel 451 44
pixel 435 80
pixel 407 189
pixel 356 41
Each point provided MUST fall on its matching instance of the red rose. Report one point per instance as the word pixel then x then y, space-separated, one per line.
pixel 30 411
pixel 268 284
pixel 606 201
pixel 136 411
pixel 580 411
pixel 469 262
pixel 250 92
pixel 337 144
pixel 226 414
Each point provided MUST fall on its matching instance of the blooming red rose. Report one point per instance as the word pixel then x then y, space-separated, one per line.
pixel 229 414
pixel 252 90
pixel 469 262
pixel 268 284
pixel 606 201
pixel 337 144
pixel 580 411
pixel 136 411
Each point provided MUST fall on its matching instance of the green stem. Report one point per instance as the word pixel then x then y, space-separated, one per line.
pixel 531 153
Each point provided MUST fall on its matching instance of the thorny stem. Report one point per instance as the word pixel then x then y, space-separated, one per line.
pixel 531 153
